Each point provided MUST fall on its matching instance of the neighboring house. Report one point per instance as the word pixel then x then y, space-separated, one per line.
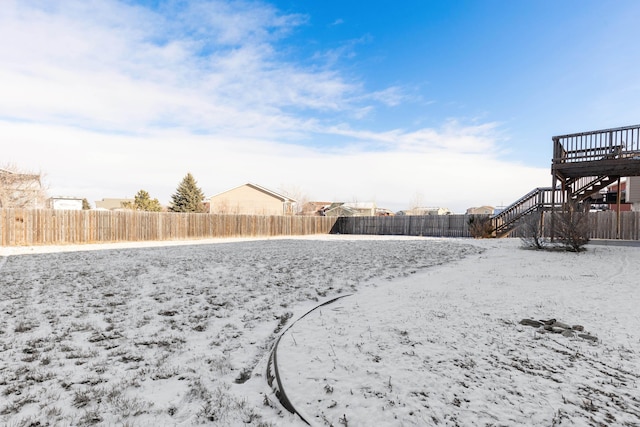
pixel 633 192
pixel 251 199
pixel 384 212
pixel 21 190
pixel 426 211
pixel 351 209
pixel 481 210
pixel 112 204
pixel 314 208
pixel 65 203
pixel 607 198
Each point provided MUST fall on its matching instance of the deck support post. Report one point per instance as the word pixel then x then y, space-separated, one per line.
pixel 553 206
pixel 618 202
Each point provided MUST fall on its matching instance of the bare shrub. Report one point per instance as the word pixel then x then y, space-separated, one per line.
pixel 91 417
pixel 81 399
pixel 220 364
pixel 480 226
pixel 531 231
pixel 572 226
pixel 218 405
pixel 129 407
pixel 21 189
pixel 23 326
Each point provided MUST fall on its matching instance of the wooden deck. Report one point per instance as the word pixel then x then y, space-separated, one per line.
pixel 607 152
pixel 609 167
pixel 583 164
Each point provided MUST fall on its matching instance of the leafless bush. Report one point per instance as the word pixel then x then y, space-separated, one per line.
pixel 21 189
pixel 220 364
pixel 90 418
pixel 218 405
pixel 531 230
pixel 480 226
pixel 129 407
pixel 23 326
pixel 81 399
pixel 572 226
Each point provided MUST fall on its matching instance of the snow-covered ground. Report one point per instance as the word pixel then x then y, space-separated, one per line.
pixel 180 334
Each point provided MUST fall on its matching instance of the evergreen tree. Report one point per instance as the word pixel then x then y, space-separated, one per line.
pixel 143 202
pixel 188 197
pixel 85 205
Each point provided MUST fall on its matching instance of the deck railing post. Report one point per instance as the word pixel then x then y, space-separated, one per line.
pixel 618 202
pixel 554 183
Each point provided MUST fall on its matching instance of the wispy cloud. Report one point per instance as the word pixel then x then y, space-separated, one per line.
pixel 214 68
pixel 215 65
pixel 206 86
pixel 391 96
pixel 451 137
pixel 390 175
pixel 345 51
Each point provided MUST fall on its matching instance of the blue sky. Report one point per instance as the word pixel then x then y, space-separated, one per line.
pixel 447 103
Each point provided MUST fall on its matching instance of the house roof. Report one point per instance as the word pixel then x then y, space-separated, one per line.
pixel 23 175
pixel 315 206
pixel 428 208
pixel 318 203
pixel 65 198
pixel 278 196
pixel 111 203
pixel 342 208
pixel 360 205
pixel 354 205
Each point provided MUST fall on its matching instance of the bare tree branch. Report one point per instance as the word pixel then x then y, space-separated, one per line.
pixel 21 189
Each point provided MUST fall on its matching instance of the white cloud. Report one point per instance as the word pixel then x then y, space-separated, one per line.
pixel 391 96
pixel 451 137
pixel 92 69
pixel 107 99
pixel 87 164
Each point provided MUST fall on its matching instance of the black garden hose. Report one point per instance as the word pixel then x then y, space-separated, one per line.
pixel 272 365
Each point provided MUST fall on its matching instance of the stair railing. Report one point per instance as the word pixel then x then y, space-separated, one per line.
pixel 536 199
pixel 584 187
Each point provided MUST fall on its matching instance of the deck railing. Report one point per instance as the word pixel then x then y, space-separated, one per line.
pixel 603 144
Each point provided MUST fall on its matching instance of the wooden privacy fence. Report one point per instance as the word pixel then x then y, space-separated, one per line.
pixel 20 227
pixel 603 225
pixel 422 225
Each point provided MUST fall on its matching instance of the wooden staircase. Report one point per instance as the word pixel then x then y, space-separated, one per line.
pixel 580 189
pixel 536 200
pixel 583 164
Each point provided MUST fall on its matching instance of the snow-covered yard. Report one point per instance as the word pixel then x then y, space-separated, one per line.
pixel 180 334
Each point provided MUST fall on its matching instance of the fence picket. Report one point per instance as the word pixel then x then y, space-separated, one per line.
pixel 603 225
pixel 19 227
pixel 26 227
